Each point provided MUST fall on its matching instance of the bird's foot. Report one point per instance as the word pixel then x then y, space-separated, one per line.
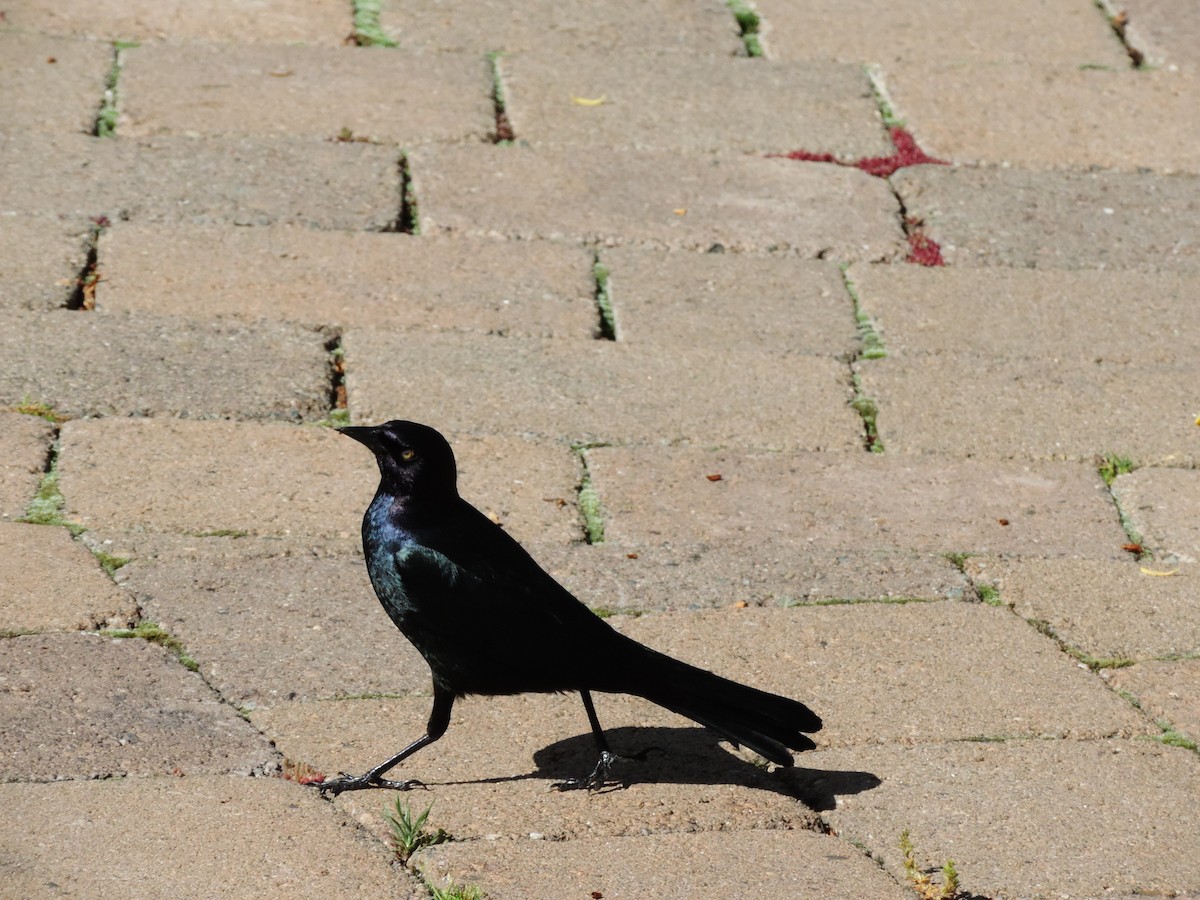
pixel 345 782
pixel 593 782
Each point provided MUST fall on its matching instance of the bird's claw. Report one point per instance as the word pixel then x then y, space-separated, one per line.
pixel 592 782
pixel 345 782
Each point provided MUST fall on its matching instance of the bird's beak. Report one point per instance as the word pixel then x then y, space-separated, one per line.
pixel 362 433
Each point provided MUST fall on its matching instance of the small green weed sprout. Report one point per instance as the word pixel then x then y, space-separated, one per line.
pixel 408 833
pixel 925 887
pixel 456 892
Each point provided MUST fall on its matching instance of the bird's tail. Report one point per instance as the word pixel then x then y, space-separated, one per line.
pixel 768 724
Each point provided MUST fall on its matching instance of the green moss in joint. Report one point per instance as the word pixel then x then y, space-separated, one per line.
pixel 608 319
pixel 368 32
pixel 155 634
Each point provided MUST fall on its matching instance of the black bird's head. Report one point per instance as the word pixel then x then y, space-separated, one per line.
pixel 414 459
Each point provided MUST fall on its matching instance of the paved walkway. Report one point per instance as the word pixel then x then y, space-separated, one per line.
pixel 872 385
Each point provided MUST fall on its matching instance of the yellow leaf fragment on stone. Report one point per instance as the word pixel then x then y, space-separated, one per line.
pixel 1146 571
pixel 682 211
pixel 589 101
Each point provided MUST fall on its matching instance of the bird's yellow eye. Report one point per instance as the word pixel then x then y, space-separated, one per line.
pixel 408 455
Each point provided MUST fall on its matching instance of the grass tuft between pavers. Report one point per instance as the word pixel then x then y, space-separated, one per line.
pixel 608 318
pixel 749 25
pixel 368 32
pixel 156 634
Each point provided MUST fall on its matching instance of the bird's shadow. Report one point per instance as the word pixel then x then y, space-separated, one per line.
pixel 693 756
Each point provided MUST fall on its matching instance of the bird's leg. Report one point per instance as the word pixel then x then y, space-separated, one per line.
pixel 599 775
pixel 439 721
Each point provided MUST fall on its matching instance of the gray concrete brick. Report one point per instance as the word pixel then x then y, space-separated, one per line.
pixel 270 629
pixel 739 864
pixel 492 772
pixel 1168 691
pixel 126 475
pixel 1030 818
pixel 689 103
pixel 243 181
pixel 1109 610
pixel 53 583
pixel 904 673
pixel 489 25
pixel 24 449
pixel 1031 313
pixel 51 84
pixel 656 199
pixel 52 175
pixel 665 574
pixel 257 181
pixel 41 260
pixel 308 485
pixel 1072 220
pixel 114 707
pixel 331 278
pixel 96 364
pixel 738 300
pixel 309 91
pixel 862 31
pixel 805 503
pixel 190 837
pixel 1034 409
pixel 1163 507
pixel 267 21
pixel 600 390
pixel 1114 118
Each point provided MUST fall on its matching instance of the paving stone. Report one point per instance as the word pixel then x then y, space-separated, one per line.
pixel 52 84
pixel 493 772
pixel 24 449
pixel 1169 691
pixel 344 279
pixel 269 629
pixel 1115 118
pixel 268 21
pixel 52 175
pixel 982 674
pixel 1031 818
pixel 303 484
pixel 1034 409
pixel 600 390
pixel 489 25
pixel 657 575
pixel 899 673
pixel 1030 31
pixel 114 707
pixel 286 480
pixel 742 301
pixel 1073 220
pixel 656 199
pixel 239 181
pixel 1166 31
pixel 257 181
pixel 1031 313
pixel 53 583
pixel 1109 610
pixel 690 104
pixel 746 863
pixel 97 364
pixel 313 91
pixel 190 837
pixel 808 503
pixel 41 261
pixel 1163 507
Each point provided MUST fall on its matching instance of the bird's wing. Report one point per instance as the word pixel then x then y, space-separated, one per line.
pixel 495 609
